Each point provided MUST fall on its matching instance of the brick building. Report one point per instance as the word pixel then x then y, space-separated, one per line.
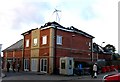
pixel 13 53
pixel 42 48
pixel 99 54
pixel 42 54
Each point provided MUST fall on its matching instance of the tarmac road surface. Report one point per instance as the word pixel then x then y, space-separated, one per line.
pixel 36 76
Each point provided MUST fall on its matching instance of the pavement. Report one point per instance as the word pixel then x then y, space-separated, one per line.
pixel 41 76
pixel 3 75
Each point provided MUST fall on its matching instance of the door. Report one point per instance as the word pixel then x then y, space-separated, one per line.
pixel 10 61
pixel 26 65
pixel 43 65
pixel 34 64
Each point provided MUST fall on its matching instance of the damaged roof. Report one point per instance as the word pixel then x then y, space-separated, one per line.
pixel 16 46
pixel 98 49
pixel 70 29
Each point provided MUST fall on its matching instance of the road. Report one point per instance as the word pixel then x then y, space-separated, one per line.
pixel 33 76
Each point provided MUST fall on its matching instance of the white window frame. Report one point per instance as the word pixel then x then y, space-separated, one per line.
pixel 59 40
pixel 26 64
pixel 43 65
pixel 89 44
pixel 27 43
pixel 44 40
pixel 35 42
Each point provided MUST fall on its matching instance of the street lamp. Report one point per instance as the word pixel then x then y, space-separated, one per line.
pixel 97 52
pixel 0 61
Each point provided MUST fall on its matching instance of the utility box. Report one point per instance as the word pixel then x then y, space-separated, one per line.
pixel 66 65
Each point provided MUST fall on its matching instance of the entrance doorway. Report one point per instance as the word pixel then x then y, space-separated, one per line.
pixel 43 65
pixel 26 64
pixel 34 64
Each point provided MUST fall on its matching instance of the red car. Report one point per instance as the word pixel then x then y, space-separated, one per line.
pixel 112 78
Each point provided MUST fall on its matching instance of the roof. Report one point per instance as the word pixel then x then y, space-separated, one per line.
pixel 98 49
pixel 70 29
pixel 16 46
pixel 29 31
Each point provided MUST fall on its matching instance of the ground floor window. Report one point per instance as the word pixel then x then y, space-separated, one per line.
pixel 34 64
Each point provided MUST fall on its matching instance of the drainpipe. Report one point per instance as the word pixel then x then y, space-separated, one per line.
pixel 55 50
pixel 92 51
pixel 23 54
pixel 23 59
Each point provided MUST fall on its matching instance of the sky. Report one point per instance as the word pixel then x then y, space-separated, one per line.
pixel 98 18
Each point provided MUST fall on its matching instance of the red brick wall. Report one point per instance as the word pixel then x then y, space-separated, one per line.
pixel 27 36
pixel 44 52
pixel 27 53
pixel 27 49
pixel 78 43
pixel 45 32
pixel 104 56
pixel 18 54
pixel 10 54
pixel 101 56
pixel 44 49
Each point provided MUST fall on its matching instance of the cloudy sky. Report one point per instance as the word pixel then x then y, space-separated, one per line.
pixel 96 17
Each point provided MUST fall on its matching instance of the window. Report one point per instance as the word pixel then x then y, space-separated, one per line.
pixel 89 44
pixel 59 40
pixel 62 64
pixel 27 43
pixel 44 40
pixel 70 62
pixel 35 41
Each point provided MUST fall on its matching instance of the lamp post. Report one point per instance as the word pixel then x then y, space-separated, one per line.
pixel 92 55
pixel 102 43
pixel 97 52
pixel 0 61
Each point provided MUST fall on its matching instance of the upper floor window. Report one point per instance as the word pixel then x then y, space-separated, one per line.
pixel 59 40
pixel 44 39
pixel 89 44
pixel 35 41
pixel 27 43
